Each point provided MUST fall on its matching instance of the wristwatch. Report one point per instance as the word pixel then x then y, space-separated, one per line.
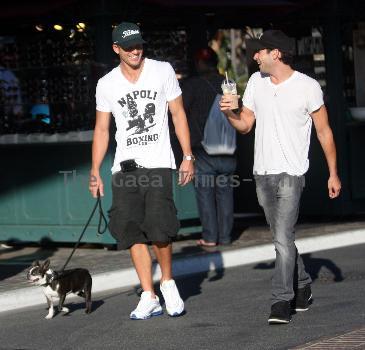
pixel 189 157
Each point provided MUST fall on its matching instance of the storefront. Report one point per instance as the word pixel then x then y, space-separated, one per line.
pixel 52 56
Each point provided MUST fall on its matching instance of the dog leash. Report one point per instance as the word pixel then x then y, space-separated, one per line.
pixel 100 231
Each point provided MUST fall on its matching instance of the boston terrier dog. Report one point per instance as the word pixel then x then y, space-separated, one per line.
pixel 59 284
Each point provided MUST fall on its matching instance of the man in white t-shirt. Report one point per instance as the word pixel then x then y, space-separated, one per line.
pixel 283 103
pixel 138 93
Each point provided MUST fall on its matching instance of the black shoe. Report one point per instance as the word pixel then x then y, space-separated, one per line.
pixel 280 313
pixel 302 299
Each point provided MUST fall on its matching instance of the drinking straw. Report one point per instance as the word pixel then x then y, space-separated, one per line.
pixel 226 77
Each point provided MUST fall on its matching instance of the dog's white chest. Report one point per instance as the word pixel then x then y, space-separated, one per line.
pixel 49 292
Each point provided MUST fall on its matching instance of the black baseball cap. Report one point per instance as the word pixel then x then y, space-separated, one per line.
pixel 127 34
pixel 273 39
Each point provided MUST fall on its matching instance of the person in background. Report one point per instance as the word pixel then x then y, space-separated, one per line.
pixel 284 103
pixel 10 95
pixel 213 174
pixel 139 92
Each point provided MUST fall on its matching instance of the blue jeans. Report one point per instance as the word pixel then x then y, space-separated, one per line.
pixel 279 195
pixel 214 194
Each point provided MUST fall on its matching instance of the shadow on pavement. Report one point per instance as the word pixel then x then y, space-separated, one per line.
pixel 212 269
pixel 15 265
pixel 77 306
pixel 313 266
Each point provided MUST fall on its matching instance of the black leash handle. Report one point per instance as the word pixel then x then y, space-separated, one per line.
pixel 102 218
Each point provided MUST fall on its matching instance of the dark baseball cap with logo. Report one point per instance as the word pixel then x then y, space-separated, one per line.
pixel 273 39
pixel 127 34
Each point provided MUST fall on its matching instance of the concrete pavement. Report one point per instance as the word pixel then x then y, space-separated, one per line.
pixel 113 269
pixel 226 309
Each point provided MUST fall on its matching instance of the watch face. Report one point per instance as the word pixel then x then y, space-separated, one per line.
pixel 189 157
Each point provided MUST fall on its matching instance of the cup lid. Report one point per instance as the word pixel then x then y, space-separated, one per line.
pixel 230 82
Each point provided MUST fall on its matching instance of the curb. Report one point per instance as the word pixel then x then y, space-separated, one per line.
pixel 205 262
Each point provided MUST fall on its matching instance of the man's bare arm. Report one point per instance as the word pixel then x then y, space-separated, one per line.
pixel 186 170
pixel 325 137
pixel 99 148
pixel 243 122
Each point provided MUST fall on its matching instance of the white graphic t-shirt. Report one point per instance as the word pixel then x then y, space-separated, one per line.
pixel 140 112
pixel 283 121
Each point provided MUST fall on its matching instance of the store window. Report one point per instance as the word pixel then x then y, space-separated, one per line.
pixel 230 45
pixel 47 80
pixel 236 58
pixel 170 46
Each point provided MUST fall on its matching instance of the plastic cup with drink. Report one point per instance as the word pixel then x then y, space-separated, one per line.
pixel 229 89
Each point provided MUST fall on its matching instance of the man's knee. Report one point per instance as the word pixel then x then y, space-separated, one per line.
pixel 285 247
pixel 161 245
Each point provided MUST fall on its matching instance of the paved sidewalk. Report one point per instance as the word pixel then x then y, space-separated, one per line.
pixel 113 269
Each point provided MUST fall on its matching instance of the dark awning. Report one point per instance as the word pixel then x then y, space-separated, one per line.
pixel 29 8
pixel 225 3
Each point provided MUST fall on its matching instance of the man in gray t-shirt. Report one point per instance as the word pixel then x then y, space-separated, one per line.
pixel 283 103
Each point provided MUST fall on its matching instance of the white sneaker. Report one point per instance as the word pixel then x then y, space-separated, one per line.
pixel 146 307
pixel 174 303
